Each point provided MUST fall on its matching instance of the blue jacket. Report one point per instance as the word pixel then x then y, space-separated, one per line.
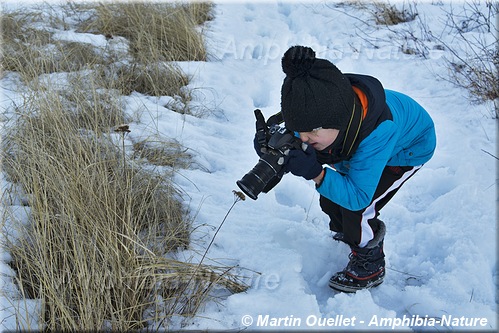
pixel 408 139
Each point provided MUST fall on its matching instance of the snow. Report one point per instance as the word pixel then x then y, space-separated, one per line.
pixel 441 226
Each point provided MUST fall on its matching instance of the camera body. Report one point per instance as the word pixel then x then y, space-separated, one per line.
pixel 270 168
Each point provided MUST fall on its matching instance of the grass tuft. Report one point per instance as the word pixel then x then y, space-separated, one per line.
pixel 102 227
pixel 156 31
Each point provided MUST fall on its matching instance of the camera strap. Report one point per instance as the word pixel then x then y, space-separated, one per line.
pixel 359 112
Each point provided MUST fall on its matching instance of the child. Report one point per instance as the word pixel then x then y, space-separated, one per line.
pixel 371 140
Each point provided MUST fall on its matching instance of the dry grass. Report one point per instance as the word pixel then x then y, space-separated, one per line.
pixel 157 79
pixel 382 12
pixel 163 153
pixel 100 224
pixel 96 248
pixel 469 40
pixel 87 212
pixel 385 13
pixel 156 31
pixel 478 75
pixel 474 61
pixel 32 52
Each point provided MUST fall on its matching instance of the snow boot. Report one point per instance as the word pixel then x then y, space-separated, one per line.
pixel 366 268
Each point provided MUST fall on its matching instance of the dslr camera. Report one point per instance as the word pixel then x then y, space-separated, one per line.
pixel 275 142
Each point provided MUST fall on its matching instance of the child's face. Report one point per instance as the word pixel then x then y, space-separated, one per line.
pixel 320 138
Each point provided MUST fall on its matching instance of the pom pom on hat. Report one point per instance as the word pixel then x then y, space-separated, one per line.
pixel 314 93
pixel 297 61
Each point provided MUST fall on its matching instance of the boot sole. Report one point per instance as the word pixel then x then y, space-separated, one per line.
pixel 353 288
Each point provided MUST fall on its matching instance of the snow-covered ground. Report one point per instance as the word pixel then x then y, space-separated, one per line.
pixel 441 226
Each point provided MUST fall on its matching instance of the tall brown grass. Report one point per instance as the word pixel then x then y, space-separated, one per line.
pixel 156 31
pixel 102 228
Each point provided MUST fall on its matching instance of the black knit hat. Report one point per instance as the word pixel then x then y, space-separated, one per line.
pixel 314 93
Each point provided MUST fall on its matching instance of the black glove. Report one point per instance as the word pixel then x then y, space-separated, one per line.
pixel 303 163
pixel 258 147
pixel 262 133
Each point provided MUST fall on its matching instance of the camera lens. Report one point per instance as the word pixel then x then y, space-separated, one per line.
pixel 255 181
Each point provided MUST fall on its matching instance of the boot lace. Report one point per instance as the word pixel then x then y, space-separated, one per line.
pixel 358 260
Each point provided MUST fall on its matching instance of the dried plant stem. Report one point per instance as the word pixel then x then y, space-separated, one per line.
pixel 238 196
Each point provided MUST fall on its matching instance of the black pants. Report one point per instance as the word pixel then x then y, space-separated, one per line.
pixel 360 226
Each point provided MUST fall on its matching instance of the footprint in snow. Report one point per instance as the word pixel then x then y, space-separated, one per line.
pixel 284 9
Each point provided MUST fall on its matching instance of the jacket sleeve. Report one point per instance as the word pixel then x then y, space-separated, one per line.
pixel 355 189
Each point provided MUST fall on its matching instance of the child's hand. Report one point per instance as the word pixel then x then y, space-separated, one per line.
pixel 303 163
pixel 262 133
pixel 257 146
